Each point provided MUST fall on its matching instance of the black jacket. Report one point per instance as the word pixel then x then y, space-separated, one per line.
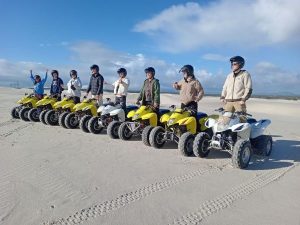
pixel 96 84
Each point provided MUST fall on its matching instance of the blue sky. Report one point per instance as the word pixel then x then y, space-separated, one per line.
pixel 167 34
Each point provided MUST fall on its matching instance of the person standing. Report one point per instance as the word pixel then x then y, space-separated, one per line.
pixel 96 85
pixel 237 88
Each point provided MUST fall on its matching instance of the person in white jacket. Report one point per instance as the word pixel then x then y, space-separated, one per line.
pixel 121 87
pixel 74 86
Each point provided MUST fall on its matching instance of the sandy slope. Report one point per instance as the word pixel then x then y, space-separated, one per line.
pixel 49 175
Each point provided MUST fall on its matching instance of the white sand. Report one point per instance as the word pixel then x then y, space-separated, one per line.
pixel 49 173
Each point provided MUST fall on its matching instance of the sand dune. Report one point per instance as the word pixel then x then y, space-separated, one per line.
pixel 51 175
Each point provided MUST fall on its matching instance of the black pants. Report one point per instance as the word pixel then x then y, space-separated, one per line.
pixel 122 101
pixel 191 105
pixel 76 99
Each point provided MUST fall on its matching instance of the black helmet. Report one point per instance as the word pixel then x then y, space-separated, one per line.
pixel 122 70
pixel 238 59
pixel 54 71
pixel 37 77
pixel 73 72
pixel 150 70
pixel 96 67
pixel 188 69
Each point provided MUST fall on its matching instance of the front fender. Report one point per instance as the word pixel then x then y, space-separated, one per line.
pixel 190 123
pixel 152 117
pixel 164 118
pixel 131 113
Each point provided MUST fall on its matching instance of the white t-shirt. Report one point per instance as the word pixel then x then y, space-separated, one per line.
pixel 121 89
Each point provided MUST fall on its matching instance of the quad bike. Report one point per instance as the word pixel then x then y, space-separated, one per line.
pixel 64 106
pixel 42 106
pixel 82 112
pixel 179 126
pixel 141 123
pixel 109 113
pixel 238 138
pixel 26 103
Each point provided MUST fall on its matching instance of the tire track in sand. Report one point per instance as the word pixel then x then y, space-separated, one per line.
pixel 213 206
pixel 128 198
pixel 10 132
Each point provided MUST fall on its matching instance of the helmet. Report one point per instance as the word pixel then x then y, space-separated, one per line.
pixel 37 77
pixel 188 69
pixel 96 67
pixel 239 60
pixel 150 70
pixel 73 72
pixel 54 71
pixel 122 70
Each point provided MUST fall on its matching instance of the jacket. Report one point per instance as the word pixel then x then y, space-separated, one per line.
pixel 96 84
pixel 56 86
pixel 77 84
pixel 155 92
pixel 39 87
pixel 237 87
pixel 190 90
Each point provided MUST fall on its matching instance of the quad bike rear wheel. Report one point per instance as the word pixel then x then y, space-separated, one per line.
pixel 146 134
pixel 61 119
pixel 24 113
pixel 42 116
pixel 51 117
pixel 71 121
pixel 124 132
pixel 14 112
pixel 201 145
pixel 263 145
pixel 33 115
pixel 83 123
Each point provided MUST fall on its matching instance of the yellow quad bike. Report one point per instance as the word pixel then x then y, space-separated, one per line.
pixel 66 110
pixel 179 126
pixel 141 122
pixel 27 102
pixel 64 106
pixel 42 106
pixel 81 114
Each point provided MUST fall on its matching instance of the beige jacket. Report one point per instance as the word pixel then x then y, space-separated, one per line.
pixel 190 91
pixel 237 87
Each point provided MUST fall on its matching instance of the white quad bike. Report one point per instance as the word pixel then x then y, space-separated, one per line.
pixel 241 139
pixel 111 115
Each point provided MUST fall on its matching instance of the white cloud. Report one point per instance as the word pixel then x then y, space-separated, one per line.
pixel 230 22
pixel 215 57
pixel 267 77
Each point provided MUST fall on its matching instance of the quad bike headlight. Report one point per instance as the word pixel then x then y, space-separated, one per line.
pixel 136 116
pixel 170 122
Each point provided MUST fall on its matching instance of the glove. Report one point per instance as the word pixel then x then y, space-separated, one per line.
pixel 73 88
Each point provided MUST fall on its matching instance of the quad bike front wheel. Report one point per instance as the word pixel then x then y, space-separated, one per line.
pixel 42 116
pixel 201 145
pixel 71 121
pixel 62 118
pixel 113 128
pixel 33 115
pixel 185 144
pixel 241 154
pixel 124 132
pixel 51 117
pixel 83 123
pixel 24 113
pixel 146 134
pixel 156 137
pixel 15 113
pixel 94 126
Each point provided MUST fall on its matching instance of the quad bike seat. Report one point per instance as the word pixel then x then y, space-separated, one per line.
pixel 251 120
pixel 131 107
pixel 200 115
pixel 162 112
